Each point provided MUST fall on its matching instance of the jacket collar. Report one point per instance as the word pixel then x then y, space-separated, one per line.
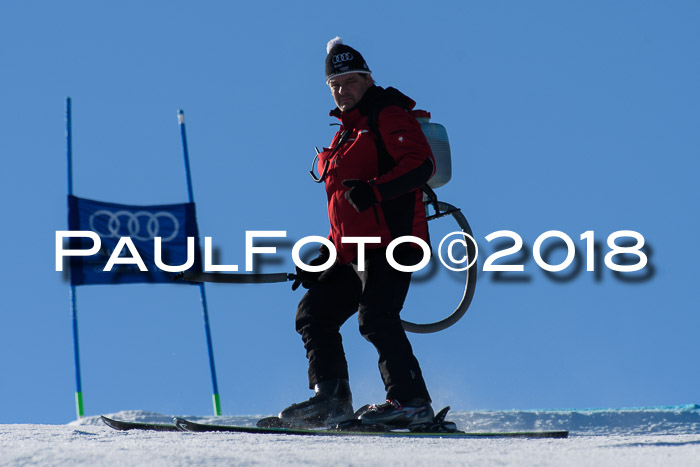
pixel 351 117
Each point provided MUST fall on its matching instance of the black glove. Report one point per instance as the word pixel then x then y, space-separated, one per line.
pixel 360 195
pixel 307 278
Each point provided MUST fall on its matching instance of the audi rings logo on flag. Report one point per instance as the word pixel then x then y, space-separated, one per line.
pixel 344 57
pixel 140 225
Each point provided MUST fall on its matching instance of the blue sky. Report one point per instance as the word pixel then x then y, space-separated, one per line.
pixel 572 116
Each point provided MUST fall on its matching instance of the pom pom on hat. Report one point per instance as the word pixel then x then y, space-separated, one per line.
pixel 332 43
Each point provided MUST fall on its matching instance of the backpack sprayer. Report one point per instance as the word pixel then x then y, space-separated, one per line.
pixel 436 134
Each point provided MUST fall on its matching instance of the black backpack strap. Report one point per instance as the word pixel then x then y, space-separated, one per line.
pixel 392 96
pixel 389 96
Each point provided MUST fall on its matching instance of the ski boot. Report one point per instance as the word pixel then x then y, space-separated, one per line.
pixel 395 415
pixel 332 403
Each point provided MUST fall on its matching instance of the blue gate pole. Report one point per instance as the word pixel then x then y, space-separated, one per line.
pixel 202 292
pixel 79 408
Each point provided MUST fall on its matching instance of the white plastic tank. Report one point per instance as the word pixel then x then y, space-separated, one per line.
pixel 440 145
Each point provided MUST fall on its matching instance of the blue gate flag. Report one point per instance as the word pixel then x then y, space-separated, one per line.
pixel 111 221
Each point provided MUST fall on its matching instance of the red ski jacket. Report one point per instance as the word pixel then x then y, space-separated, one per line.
pixel 396 165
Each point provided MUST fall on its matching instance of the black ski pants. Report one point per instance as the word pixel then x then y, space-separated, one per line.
pixel 377 294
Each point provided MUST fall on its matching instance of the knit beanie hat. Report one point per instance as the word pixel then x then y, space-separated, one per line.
pixel 343 59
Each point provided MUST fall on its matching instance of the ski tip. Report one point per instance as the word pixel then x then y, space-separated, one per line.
pixel 111 423
pixel 186 425
pixel 125 426
pixel 180 423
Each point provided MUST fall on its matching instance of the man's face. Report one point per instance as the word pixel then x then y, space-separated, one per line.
pixel 348 89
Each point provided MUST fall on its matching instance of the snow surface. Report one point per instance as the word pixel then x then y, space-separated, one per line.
pixel 623 437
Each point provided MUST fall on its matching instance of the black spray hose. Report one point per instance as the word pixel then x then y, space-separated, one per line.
pixel 470 283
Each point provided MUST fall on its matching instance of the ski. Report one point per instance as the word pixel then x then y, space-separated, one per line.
pixel 346 429
pixel 187 425
pixel 124 426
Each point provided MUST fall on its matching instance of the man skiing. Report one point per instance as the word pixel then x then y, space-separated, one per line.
pixel 373 172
